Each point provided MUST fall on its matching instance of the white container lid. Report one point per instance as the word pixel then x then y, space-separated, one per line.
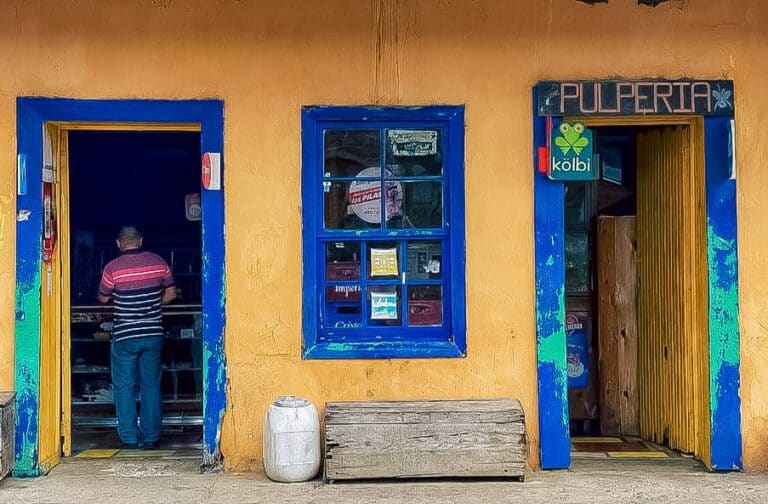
pixel 290 402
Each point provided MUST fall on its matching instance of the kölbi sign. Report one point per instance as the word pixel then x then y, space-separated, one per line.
pixel 571 153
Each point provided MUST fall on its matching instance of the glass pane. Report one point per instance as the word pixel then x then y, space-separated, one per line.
pixel 385 305
pixel 425 305
pixel 424 260
pixel 414 153
pixel 342 261
pixel 577 263
pixel 383 260
pixel 348 152
pixel 415 205
pixel 576 206
pixel 352 205
pixel 343 306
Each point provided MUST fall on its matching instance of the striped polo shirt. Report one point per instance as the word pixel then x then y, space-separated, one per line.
pixel 136 281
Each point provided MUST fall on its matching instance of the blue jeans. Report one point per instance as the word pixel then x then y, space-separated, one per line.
pixel 132 359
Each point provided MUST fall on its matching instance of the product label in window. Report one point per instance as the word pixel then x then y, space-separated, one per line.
pixel 383 306
pixel 364 197
pixel 384 262
pixel 413 142
pixel 577 349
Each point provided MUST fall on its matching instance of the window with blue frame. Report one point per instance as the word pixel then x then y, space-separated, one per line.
pixel 383 232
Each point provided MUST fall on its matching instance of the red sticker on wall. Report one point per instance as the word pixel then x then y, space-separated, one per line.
pixel 211 173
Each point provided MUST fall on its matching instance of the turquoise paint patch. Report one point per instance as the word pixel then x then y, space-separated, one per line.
pixel 723 309
pixel 27 375
pixel 551 345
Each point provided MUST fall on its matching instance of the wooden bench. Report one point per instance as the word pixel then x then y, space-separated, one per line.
pixel 425 439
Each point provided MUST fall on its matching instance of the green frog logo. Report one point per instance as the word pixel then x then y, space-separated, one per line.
pixel 571 138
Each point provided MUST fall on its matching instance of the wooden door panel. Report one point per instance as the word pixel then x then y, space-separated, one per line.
pixel 672 324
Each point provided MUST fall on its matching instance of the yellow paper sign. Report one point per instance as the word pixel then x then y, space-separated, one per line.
pixel 384 262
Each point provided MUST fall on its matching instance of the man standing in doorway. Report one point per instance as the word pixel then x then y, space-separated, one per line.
pixel 139 282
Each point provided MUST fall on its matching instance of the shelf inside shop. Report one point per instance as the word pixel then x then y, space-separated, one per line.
pixel 108 403
pixel 178 420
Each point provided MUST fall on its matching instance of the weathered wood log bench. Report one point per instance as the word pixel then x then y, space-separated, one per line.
pixel 425 439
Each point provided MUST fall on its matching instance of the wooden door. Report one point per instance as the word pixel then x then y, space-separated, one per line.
pixel 54 357
pixel 673 347
pixel 617 326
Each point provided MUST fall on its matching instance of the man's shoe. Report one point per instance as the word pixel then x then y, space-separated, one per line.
pixel 149 446
pixel 129 446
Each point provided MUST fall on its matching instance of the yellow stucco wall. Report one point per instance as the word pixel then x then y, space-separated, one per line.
pixel 266 59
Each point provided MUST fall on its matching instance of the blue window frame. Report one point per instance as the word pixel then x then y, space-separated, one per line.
pixel 383 270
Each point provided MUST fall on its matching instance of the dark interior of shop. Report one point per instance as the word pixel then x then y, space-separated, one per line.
pixel 149 180
pixel 614 194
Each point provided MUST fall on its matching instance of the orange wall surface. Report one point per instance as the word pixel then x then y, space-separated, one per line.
pixel 266 59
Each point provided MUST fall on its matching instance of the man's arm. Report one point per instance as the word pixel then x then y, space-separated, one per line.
pixel 106 287
pixel 169 294
pixel 169 285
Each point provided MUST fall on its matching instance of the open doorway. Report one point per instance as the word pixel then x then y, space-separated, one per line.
pixel 42 329
pixel 150 180
pixel 636 301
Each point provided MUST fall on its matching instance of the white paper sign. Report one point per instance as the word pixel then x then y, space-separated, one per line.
pixel 48 171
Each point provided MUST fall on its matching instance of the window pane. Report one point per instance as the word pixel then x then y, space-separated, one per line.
pixel 343 306
pixel 414 153
pixel 577 263
pixel 424 260
pixel 342 261
pixel 425 305
pixel 415 205
pixel 352 205
pixel 576 208
pixel 383 260
pixel 348 152
pixel 384 305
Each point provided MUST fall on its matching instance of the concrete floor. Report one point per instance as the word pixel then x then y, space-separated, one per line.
pixel 590 481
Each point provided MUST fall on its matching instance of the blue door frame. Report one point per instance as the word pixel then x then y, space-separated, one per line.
pixel 32 113
pixel 725 404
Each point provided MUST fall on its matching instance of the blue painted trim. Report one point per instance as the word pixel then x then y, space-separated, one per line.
pixel 31 114
pixel 725 404
pixel 385 342
pixel 549 225
pixel 385 350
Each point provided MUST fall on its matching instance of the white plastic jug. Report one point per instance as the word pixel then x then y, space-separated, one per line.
pixel 291 440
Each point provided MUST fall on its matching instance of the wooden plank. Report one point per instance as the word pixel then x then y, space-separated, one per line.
pixel 7 431
pixel 470 405
pixel 439 464
pixel 386 438
pixel 432 411
pixel 415 439
pixel 617 336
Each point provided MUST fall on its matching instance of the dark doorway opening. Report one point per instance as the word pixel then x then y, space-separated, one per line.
pixel 149 180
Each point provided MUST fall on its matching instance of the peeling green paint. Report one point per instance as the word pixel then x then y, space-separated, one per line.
pixel 27 372
pixel 723 307
pixel 552 346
